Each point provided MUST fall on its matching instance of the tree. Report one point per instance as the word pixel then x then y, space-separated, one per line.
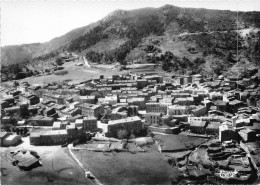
pixel 122 134
pixel 59 61
pixel 97 95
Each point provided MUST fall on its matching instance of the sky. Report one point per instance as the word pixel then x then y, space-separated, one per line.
pixel 32 21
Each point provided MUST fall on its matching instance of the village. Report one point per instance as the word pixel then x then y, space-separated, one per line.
pixel 202 126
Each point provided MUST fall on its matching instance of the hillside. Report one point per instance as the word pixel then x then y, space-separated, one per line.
pixel 26 52
pixel 182 40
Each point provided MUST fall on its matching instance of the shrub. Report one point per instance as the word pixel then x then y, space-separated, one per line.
pixel 59 61
pixel 122 134
pixel 62 72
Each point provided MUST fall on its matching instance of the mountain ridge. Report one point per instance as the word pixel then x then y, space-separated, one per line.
pixel 123 36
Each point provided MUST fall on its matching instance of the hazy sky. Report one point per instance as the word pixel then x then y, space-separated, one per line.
pixel 40 21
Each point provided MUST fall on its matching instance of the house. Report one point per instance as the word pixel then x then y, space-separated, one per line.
pixel 9 139
pixel 138 101
pixel 206 118
pixel 141 83
pixel 213 128
pixel 49 112
pixel 157 78
pixel 33 89
pixel 177 110
pixel 41 121
pixel 167 120
pixel 184 101
pixel 24 159
pixel 79 123
pixel 247 135
pixel 111 100
pixel 198 127
pixel 120 112
pixel 56 125
pixel 51 137
pixel 12 110
pixel 54 97
pixel 132 125
pixel 86 99
pixel 199 111
pixel 153 107
pixel 3 104
pixel 70 112
pixel 91 110
pixel 152 118
pixel 215 96
pixel 73 132
pixel 4 135
pixel 221 105
pixel 89 124
pixel 6 120
pixel 9 99
pixel 227 133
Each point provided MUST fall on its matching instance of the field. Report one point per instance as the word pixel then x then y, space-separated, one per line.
pixel 126 168
pixel 58 168
pixel 75 74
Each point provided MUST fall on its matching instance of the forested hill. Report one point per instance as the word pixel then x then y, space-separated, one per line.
pixel 178 38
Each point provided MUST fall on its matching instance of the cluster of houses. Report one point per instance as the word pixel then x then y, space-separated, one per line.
pixel 224 107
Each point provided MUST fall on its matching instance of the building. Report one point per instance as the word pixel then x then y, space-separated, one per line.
pixel 152 118
pixel 29 99
pixel 79 123
pixel 112 100
pixel 227 133
pixel 4 135
pixel 199 111
pixel 89 124
pixel 138 101
pixel 247 135
pixel 206 118
pixel 153 107
pixel 213 128
pixel 70 112
pixel 132 125
pixel 221 105
pixel 184 101
pixel 6 120
pixel 41 121
pixel 91 110
pixel 56 125
pixel 141 83
pixel 33 89
pixel 86 99
pixel 198 127
pixel 12 110
pixel 51 137
pixel 177 110
pixel 53 97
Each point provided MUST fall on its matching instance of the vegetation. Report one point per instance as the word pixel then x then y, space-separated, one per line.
pixel 59 61
pixel 61 72
pixel 173 63
pixel 122 134
pixel 153 35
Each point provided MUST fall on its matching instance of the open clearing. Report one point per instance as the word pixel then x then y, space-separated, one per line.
pixel 75 74
pixel 127 168
pixel 58 167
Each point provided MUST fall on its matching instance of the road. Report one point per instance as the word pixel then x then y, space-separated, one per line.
pixel 210 32
pixel 86 61
pixel 87 172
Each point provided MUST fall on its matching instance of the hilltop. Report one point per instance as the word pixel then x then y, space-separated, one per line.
pixel 181 40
